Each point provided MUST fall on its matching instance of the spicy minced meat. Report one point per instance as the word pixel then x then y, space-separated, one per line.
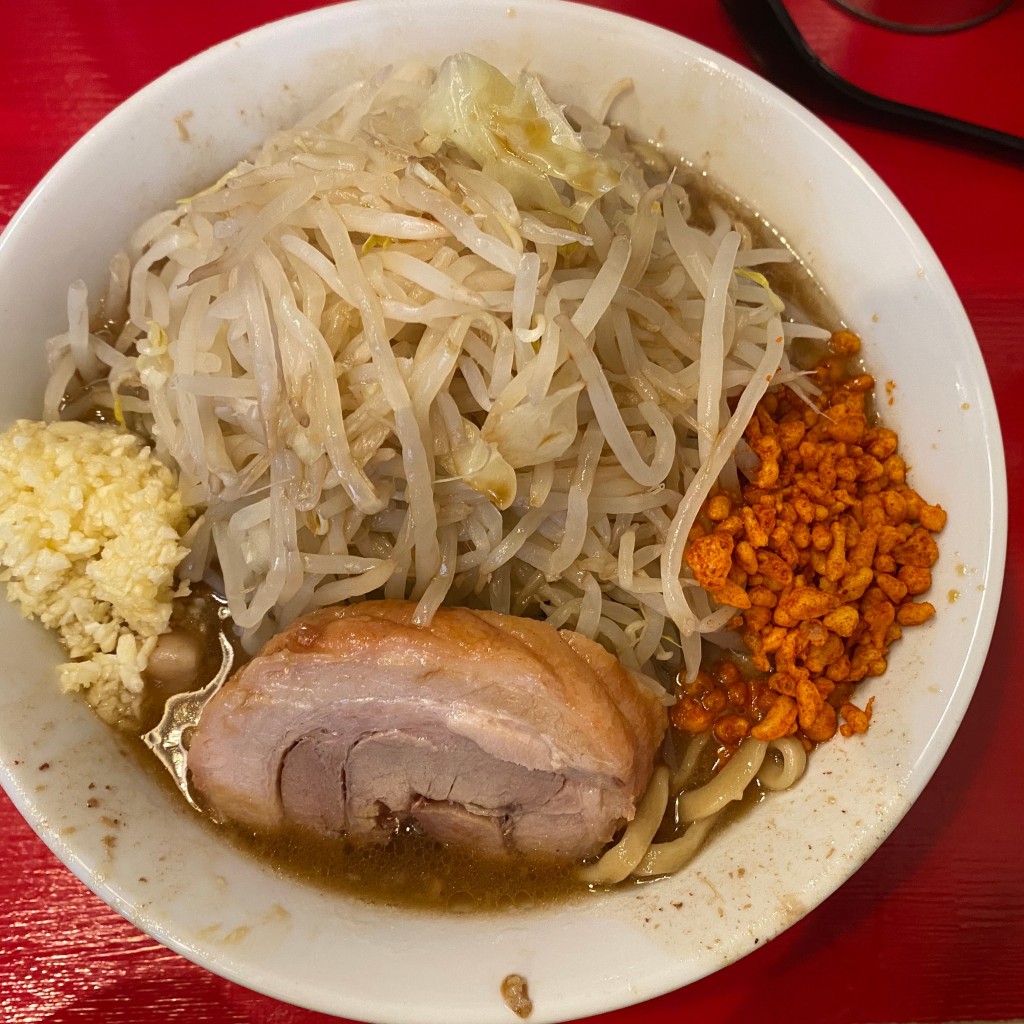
pixel 823 555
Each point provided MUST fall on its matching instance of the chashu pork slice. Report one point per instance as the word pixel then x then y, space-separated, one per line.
pixel 488 730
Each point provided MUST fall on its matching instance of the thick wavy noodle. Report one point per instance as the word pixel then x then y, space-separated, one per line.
pixel 695 749
pixel 784 764
pixel 692 813
pixel 727 785
pixel 668 858
pixel 622 859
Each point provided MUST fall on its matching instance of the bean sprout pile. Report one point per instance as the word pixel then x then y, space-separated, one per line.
pixel 444 340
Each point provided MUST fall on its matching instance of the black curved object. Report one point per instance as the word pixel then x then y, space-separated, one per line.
pixel 785 57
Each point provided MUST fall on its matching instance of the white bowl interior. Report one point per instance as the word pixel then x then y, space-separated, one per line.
pixel 171 875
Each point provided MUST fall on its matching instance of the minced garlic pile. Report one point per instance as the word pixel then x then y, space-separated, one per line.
pixel 90 526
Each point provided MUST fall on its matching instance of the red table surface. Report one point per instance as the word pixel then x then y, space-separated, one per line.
pixel 930 929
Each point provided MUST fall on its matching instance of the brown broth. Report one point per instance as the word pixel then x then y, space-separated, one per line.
pixel 413 871
pixel 196 616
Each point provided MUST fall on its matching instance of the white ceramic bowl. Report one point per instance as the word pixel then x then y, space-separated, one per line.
pixel 232 914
